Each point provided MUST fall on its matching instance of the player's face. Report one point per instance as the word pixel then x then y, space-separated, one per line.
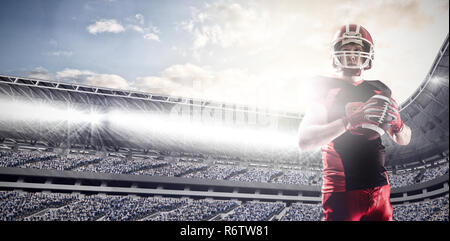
pixel 352 60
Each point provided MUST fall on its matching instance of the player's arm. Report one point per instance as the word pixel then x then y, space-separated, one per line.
pixel 402 137
pixel 314 131
pixel 399 132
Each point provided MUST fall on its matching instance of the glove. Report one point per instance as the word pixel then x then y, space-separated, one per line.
pixel 395 121
pixel 359 113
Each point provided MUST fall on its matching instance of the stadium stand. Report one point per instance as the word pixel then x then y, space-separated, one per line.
pixel 254 211
pixel 421 174
pixel 429 210
pixel 196 210
pixel 303 212
pixel 36 206
pixel 196 169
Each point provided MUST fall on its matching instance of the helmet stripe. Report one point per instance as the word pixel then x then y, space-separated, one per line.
pixel 357 28
pixel 347 28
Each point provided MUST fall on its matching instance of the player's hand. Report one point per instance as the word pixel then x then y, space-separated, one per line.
pixel 359 113
pixel 396 123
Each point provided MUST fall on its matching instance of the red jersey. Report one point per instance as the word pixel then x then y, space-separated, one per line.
pixel 350 162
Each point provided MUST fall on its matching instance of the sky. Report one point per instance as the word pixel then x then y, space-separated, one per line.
pixel 252 52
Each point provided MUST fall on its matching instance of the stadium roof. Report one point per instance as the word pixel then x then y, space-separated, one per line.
pixel 426 112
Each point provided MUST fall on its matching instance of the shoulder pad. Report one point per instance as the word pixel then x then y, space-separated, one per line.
pixel 380 86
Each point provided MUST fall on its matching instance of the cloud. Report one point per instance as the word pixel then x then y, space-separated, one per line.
pixel 151 36
pixel 136 28
pixel 56 50
pixel 158 85
pixel 387 14
pixel 61 53
pixel 135 23
pixel 227 24
pixel 39 73
pixel 105 25
pixel 232 85
pixel 73 73
pixel 91 78
pixel 107 81
pixel 177 79
pixel 140 18
pixel 53 42
pixel 149 33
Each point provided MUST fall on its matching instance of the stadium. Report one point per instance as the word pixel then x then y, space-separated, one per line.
pixel 87 153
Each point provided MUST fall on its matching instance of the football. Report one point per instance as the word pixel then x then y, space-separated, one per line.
pixel 377 104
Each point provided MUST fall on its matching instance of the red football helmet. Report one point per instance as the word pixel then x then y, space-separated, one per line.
pixel 352 33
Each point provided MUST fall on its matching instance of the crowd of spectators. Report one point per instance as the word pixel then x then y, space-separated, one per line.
pixel 121 165
pixel 63 162
pixel 255 211
pixel 257 175
pixel 430 210
pixel 136 208
pixel 13 159
pixel 196 210
pixel 45 206
pixel 217 172
pixel 17 205
pixel 403 178
pixel 441 210
pixel 303 212
pixel 193 167
pixel 432 173
pixel 108 208
pixel 306 177
pixel 89 208
pixel 173 169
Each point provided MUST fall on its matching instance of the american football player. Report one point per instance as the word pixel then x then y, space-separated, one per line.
pixel 346 118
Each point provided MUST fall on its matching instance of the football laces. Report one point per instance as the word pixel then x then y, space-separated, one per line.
pixel 374 112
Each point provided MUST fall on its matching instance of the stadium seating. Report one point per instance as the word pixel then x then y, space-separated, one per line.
pixel 34 206
pixel 430 210
pixel 37 206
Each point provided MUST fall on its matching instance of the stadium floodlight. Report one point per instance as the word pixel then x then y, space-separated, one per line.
pixel 143 127
pixel 37 111
pixel 73 115
pixel 197 134
pixel 94 118
pixel 78 116
pixel 20 110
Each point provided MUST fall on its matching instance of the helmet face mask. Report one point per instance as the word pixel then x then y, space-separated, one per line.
pixel 362 59
pixel 356 34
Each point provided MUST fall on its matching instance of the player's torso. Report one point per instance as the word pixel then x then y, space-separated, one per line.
pixel 350 161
